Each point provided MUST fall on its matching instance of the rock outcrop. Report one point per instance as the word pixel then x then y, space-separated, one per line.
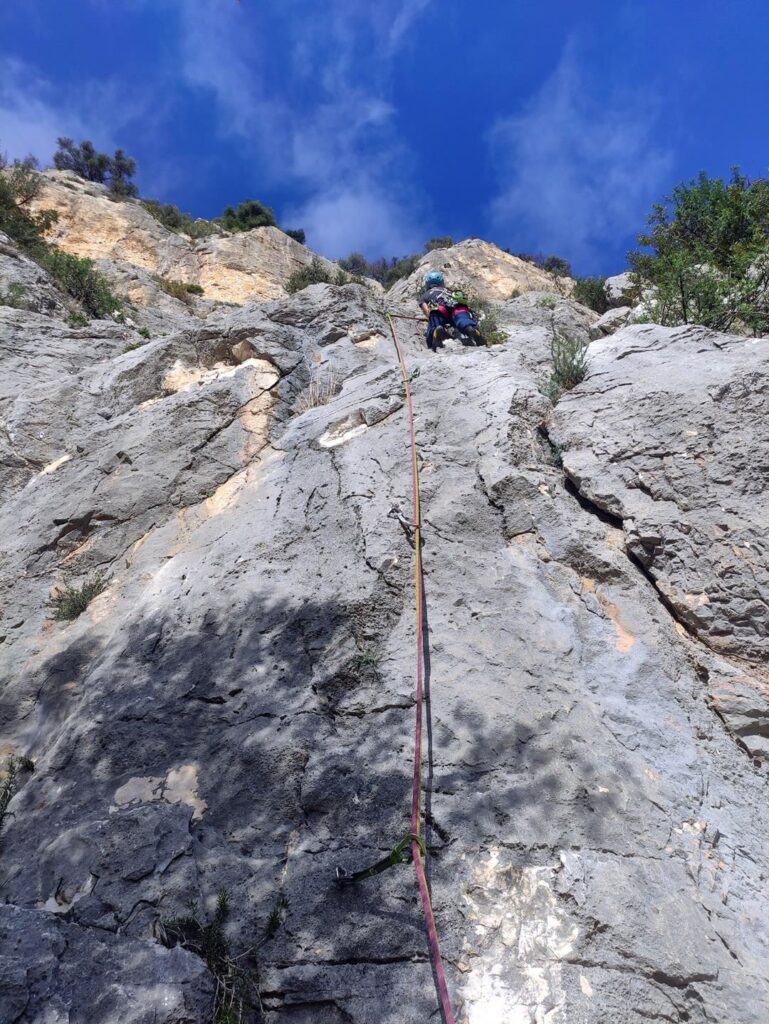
pixel 241 267
pixel 235 709
pixel 485 270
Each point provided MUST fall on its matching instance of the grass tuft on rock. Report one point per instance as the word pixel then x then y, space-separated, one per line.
pixel 71 602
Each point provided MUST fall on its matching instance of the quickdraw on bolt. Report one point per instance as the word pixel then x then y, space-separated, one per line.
pixel 400 854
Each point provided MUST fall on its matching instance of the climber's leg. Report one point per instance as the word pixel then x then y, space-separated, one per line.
pixel 436 330
pixel 467 325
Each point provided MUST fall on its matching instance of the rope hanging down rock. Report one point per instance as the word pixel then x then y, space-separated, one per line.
pixel 414 838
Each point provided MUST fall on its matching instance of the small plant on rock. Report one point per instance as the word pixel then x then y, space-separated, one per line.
pixel 144 332
pixel 569 357
pixel 235 989
pixel 364 659
pixel 321 389
pixel 181 290
pixel 9 782
pixel 14 297
pixel 546 301
pixel 71 602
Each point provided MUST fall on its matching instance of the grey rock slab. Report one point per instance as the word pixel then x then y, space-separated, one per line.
pixel 666 434
pixel 237 708
pixel 62 973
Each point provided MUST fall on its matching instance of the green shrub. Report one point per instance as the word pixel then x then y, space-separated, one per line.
pixel 174 219
pixel 547 301
pixel 445 242
pixel 296 233
pixel 248 215
pixel 19 185
pixel 71 602
pixel 77 319
pixel 181 290
pixel 14 297
pixel 400 268
pixel 590 291
pixel 78 278
pixel 9 783
pixel 709 254
pixel 569 356
pixel 314 273
pixel 84 161
pixel 144 332
pixel 355 263
pixel 557 266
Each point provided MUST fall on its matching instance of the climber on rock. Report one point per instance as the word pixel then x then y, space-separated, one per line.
pixel 445 307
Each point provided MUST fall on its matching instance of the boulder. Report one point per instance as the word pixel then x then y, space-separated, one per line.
pixel 610 322
pixel 620 289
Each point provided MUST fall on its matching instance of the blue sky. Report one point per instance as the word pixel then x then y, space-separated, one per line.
pixel 542 127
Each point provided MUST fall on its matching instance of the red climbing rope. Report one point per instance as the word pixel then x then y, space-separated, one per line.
pixel 416 790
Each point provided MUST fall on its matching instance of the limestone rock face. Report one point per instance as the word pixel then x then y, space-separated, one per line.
pixel 610 322
pixel 485 270
pixel 235 709
pixel 620 289
pixel 240 268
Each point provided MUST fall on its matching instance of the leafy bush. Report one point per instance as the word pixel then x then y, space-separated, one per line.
pixel 569 356
pixel 709 258
pixel 250 214
pixel 444 242
pixel 82 281
pixel 174 219
pixel 19 185
pixel 144 332
pixel 314 273
pixel 181 290
pixel 296 233
pixel 547 301
pixel 70 602
pixel 84 161
pixel 355 263
pixel 590 291
pixel 555 265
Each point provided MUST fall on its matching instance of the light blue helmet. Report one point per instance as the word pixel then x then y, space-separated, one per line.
pixel 434 279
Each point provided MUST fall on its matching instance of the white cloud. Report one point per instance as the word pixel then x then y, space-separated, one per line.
pixel 360 217
pixel 576 171
pixel 33 113
pixel 404 18
pixel 339 140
